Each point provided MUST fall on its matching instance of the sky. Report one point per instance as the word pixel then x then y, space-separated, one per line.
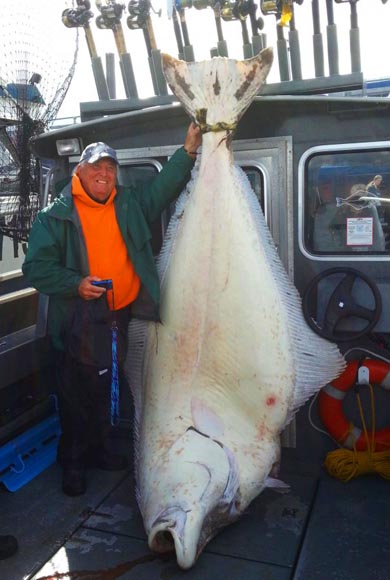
pixel 373 20
pixel 56 44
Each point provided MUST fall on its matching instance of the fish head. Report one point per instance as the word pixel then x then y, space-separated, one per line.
pixel 193 491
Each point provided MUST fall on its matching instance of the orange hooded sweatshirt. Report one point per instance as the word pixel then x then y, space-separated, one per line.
pixel 107 253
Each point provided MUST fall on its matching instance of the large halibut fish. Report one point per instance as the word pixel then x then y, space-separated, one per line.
pixel 233 358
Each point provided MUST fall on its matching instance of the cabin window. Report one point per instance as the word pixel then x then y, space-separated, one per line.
pixel 343 213
pixel 256 179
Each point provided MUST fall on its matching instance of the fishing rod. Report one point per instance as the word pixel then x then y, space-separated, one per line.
pixel 110 19
pixel 79 18
pixel 217 7
pixel 318 46
pixel 332 42
pixel 284 13
pixel 140 19
pixel 173 13
pixel 178 34
pixel 188 49
pixel 295 52
pixel 354 36
pixel 282 9
pixel 259 42
pixel 237 11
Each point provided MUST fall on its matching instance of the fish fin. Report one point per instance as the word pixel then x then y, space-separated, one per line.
pixel 173 227
pixel 217 91
pixel 277 485
pixel 318 361
pixel 205 420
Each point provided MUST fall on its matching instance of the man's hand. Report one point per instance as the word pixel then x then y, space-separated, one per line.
pixel 193 139
pixel 89 292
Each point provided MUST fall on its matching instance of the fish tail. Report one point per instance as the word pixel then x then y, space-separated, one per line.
pixel 216 92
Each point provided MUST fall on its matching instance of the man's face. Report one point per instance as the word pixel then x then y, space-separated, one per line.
pixel 98 179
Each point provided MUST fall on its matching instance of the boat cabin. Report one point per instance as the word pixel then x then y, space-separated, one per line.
pixel 309 148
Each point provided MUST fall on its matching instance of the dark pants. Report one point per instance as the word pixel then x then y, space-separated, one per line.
pixel 84 408
pixel 84 396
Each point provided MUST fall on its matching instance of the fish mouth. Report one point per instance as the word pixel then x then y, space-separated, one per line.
pixel 169 533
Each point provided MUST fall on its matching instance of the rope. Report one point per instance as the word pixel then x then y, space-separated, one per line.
pixel 114 412
pixel 114 401
pixel 346 464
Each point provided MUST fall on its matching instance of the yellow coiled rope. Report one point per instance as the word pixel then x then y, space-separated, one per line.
pixel 345 464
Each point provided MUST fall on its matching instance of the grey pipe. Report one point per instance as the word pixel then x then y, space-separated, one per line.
pixel 188 53
pixel 222 48
pixel 354 39
pixel 153 74
pixel 333 49
pixel 110 74
pixel 331 35
pixel 295 51
pixel 284 69
pixel 354 42
pixel 128 75
pixel 295 54
pixel 160 78
pixel 259 42
pixel 100 79
pixel 318 47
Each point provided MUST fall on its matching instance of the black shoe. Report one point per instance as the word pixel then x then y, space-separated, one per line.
pixel 110 462
pixel 8 546
pixel 73 481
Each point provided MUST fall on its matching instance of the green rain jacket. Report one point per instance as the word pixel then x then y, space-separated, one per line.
pixel 56 259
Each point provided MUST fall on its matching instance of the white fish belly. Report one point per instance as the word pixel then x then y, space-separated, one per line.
pixel 224 335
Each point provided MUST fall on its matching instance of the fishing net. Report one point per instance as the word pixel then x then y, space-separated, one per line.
pixel 36 69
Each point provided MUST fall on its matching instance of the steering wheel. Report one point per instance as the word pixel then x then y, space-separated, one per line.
pixel 341 305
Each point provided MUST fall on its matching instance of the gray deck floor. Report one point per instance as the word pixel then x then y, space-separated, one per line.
pixel 321 530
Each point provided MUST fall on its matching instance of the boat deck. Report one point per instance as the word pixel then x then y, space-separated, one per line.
pixel 321 530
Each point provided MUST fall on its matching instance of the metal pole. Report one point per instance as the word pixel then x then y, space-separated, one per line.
pixel 110 73
pixel 295 52
pixel 284 69
pixel 188 48
pixel 331 35
pixel 354 38
pixel 318 47
pixel 178 35
pixel 221 44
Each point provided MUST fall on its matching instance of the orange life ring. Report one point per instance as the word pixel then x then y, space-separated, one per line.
pixel 330 406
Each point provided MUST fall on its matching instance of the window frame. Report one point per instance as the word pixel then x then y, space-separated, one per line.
pixel 302 190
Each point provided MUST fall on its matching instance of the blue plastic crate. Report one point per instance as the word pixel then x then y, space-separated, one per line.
pixel 30 453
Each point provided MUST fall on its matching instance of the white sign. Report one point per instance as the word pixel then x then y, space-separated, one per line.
pixel 360 231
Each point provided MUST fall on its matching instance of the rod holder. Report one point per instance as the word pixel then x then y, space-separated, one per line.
pixel 160 78
pixel 354 41
pixel 110 74
pixel 128 75
pixel 318 51
pixel 222 48
pixel 281 44
pixel 100 79
pixel 333 49
pixel 295 55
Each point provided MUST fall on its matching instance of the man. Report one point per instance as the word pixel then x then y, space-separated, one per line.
pixel 96 230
